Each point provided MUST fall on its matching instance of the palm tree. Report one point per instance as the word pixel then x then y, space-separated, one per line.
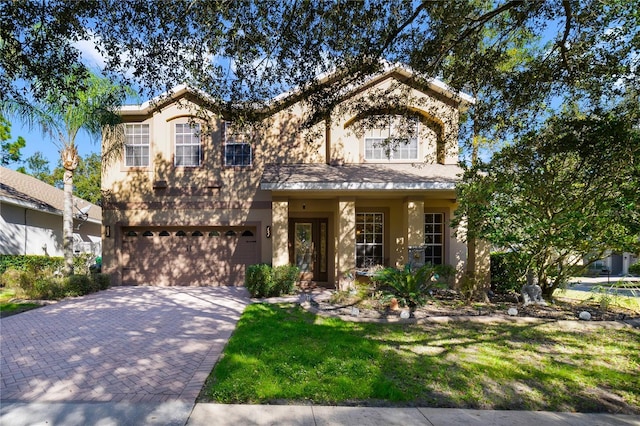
pixel 92 107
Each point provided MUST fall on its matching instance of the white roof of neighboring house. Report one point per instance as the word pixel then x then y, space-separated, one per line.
pixel 26 191
pixel 360 177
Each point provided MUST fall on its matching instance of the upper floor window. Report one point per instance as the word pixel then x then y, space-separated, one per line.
pixel 237 149
pixel 395 139
pixel 136 148
pixel 188 150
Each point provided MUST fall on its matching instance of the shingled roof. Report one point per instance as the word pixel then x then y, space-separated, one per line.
pixel 360 177
pixel 23 190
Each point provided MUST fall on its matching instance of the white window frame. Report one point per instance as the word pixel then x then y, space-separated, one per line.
pixel 376 144
pixel 186 138
pixel 434 237
pixel 136 146
pixel 234 142
pixel 369 237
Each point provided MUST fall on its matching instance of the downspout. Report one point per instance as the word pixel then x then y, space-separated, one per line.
pixel 24 249
pixel 327 140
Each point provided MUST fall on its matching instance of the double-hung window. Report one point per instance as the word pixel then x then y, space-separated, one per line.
pixel 369 239
pixel 396 140
pixel 188 149
pixel 136 148
pixel 434 238
pixel 237 149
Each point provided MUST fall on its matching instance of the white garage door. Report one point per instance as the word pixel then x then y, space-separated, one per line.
pixel 193 256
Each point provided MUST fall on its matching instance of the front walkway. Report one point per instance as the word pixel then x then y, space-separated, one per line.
pixel 133 344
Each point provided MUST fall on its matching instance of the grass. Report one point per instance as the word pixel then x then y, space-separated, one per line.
pixel 7 307
pixel 283 354
pixel 627 302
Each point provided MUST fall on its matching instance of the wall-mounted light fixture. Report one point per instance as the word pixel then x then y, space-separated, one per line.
pixel 107 231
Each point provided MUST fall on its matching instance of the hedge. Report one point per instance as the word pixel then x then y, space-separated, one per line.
pixel 29 262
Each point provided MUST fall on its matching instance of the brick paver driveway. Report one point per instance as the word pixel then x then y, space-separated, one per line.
pixel 135 344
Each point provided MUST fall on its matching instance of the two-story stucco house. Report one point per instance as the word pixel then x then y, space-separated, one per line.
pixel 196 198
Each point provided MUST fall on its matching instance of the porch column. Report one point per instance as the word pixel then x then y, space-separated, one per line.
pixel 280 231
pixel 345 241
pixel 414 211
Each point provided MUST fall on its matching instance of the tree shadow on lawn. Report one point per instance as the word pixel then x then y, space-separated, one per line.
pixel 282 354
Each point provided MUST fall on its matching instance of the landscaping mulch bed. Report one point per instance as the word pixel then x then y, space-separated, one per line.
pixel 450 303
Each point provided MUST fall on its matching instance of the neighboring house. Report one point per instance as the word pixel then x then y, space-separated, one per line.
pixel 613 264
pixel 196 198
pixel 31 218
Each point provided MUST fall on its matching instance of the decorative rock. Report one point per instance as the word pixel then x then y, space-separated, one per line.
pixel 405 314
pixel 513 312
pixel 585 316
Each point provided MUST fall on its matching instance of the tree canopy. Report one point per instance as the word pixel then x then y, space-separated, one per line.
pixel 247 52
pixel 559 195
pixel 10 151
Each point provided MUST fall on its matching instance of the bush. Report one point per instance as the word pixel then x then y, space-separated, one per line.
pixel 101 281
pixel 39 286
pixel 284 279
pixel 408 286
pixel 505 273
pixel 635 269
pixel 259 280
pixel 29 262
pixel 264 281
pixel 10 278
pixel 82 263
pixel 79 285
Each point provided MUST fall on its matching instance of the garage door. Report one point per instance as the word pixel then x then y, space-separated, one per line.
pixel 204 256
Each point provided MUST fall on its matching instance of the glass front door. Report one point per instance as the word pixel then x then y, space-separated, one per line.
pixel 309 247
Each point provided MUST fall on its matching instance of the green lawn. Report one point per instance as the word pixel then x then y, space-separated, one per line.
pixel 626 302
pixel 9 308
pixel 281 353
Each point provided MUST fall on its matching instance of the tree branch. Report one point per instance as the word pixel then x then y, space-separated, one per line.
pixel 393 35
pixel 567 29
pixel 477 23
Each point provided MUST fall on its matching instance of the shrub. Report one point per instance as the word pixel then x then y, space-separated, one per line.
pixel 635 269
pixel 101 281
pixel 10 278
pixel 259 280
pixel 79 285
pixel 82 263
pixel 264 281
pixel 284 279
pixel 39 286
pixel 29 262
pixel 408 286
pixel 505 273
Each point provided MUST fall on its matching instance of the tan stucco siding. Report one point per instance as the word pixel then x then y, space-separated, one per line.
pixel 440 122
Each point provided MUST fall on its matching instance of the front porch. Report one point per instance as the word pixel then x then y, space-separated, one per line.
pixel 350 221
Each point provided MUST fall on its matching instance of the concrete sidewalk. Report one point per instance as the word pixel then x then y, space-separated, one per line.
pixel 180 413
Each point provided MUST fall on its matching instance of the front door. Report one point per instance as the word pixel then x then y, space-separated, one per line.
pixel 308 248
